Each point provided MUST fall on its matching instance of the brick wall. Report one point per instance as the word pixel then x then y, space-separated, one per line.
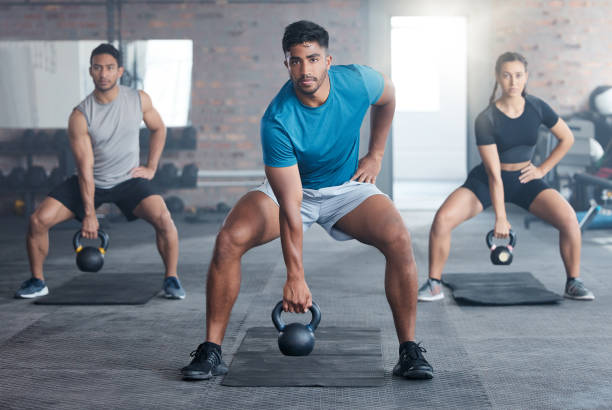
pixel 567 43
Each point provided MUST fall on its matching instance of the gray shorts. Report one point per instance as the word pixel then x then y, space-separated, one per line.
pixel 326 206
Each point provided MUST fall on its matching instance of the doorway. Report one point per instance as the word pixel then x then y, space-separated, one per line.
pixel 429 70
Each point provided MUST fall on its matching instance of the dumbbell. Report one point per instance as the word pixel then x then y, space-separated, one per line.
pixel 175 204
pixel 189 177
pixel 17 178
pixel 144 137
pixel 28 140
pixel 189 139
pixel 167 176
pixel 36 177
pixel 56 177
pixel 60 140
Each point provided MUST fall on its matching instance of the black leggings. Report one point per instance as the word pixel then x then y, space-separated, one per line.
pixel 515 192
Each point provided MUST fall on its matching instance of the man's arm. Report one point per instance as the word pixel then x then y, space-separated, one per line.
pixel 155 124
pixel 80 144
pixel 381 116
pixel 287 187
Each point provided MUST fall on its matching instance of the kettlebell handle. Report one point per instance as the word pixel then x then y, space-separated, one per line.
pixel 280 324
pixel 489 239
pixel 103 236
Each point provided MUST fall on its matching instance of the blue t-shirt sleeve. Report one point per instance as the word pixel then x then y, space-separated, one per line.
pixel 484 129
pixel 373 81
pixel 276 146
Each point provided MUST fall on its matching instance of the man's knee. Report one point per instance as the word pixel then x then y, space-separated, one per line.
pixel 39 222
pixel 231 242
pixel 396 238
pixel 163 221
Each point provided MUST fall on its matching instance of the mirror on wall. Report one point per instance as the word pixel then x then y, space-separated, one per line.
pixel 42 81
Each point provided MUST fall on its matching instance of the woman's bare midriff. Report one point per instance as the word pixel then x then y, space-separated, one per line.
pixel 517 166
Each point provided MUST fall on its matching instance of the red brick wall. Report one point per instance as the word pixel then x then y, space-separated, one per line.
pixel 567 43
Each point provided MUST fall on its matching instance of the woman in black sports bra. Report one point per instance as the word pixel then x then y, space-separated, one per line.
pixel 506 134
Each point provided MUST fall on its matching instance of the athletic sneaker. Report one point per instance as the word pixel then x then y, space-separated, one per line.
pixel 574 289
pixel 32 288
pixel 206 363
pixel 431 291
pixel 412 363
pixel 172 288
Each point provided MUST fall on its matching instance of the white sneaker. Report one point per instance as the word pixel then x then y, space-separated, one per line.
pixel 431 291
pixel 574 289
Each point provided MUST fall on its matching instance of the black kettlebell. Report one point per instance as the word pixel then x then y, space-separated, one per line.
pixel 89 258
pixel 501 255
pixel 296 339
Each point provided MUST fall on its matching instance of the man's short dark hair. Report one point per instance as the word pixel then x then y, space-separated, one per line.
pixel 302 31
pixel 106 48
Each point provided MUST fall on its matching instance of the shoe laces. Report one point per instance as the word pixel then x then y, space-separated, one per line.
pixel 212 356
pixel 575 285
pixel 29 282
pixel 434 287
pixel 415 351
pixel 172 282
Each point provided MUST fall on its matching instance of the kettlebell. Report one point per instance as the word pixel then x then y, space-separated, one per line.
pixel 89 258
pixel 296 339
pixel 501 255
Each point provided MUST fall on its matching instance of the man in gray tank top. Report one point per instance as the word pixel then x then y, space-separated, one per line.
pixel 104 138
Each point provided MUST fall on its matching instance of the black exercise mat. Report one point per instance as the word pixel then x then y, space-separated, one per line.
pixel 350 357
pixel 509 288
pixel 105 289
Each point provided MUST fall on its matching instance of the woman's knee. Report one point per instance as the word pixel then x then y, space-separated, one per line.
pixel 443 222
pixel 568 224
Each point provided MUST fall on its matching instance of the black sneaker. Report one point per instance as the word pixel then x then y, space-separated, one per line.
pixel 412 363
pixel 206 363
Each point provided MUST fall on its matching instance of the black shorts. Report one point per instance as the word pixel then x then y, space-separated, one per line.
pixel 515 192
pixel 126 195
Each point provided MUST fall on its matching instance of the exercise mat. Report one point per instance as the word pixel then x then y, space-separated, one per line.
pixel 342 356
pixel 105 289
pixel 510 288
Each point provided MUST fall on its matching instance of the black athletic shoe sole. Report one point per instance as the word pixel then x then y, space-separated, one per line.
pixel 196 375
pixel 416 375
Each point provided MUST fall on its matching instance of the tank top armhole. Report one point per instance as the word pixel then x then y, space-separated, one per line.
pixel 82 111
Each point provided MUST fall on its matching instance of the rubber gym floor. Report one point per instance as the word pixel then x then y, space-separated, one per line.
pixel 513 357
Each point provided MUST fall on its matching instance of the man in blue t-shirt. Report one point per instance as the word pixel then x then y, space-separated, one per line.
pixel 310 141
